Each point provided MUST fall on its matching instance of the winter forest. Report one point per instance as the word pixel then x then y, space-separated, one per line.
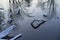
pixel 29 19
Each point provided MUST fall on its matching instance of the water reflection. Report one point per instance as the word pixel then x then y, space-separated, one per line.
pixel 36 9
pixel 19 9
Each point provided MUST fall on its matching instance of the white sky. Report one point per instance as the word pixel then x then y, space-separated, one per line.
pixel 4 4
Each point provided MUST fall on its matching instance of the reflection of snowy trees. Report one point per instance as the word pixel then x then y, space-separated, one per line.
pixel 18 10
pixel 1 20
pixel 49 6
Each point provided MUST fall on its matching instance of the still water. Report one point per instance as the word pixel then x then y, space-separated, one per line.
pixel 48 31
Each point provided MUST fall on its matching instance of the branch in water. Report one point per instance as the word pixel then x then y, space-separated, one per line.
pixel 35 27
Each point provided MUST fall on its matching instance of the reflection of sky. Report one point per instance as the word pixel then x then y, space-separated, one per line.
pixel 48 31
